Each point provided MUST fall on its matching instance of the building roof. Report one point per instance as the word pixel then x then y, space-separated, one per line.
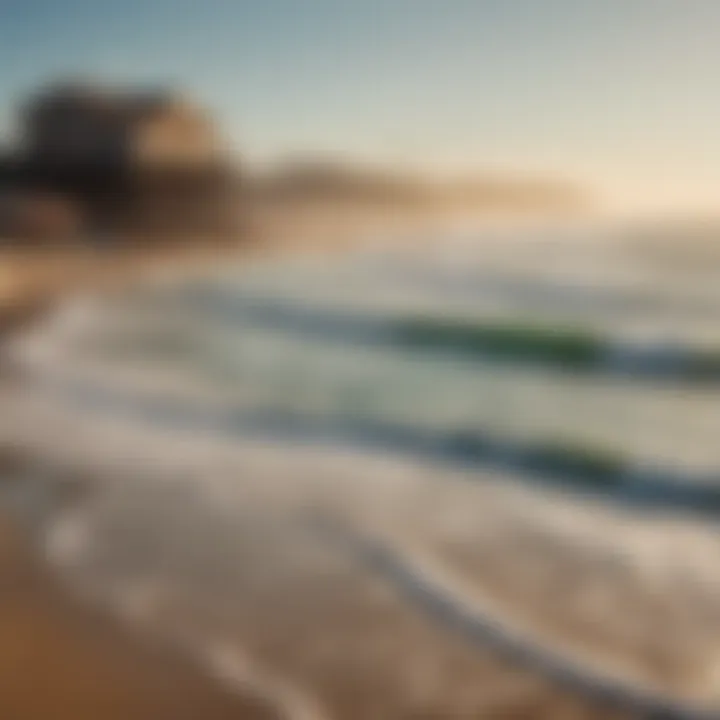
pixel 94 97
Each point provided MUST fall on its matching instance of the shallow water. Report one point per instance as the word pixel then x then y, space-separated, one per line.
pixel 222 422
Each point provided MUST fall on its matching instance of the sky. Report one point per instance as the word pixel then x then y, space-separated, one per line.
pixel 621 96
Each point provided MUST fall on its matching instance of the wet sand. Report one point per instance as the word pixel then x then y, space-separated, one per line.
pixel 60 659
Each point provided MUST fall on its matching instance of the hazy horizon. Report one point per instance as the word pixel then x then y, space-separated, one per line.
pixel 615 96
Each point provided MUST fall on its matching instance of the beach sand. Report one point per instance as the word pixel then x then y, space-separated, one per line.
pixel 60 659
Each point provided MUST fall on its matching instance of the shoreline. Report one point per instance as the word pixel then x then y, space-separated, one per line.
pixel 106 654
pixel 88 663
pixel 62 657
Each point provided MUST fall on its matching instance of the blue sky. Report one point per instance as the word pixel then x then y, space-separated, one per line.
pixel 622 94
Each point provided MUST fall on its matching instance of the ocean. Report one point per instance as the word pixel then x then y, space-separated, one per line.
pixel 399 482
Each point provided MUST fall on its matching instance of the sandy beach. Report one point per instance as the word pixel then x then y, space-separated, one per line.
pixel 59 658
pixel 92 666
pixel 359 361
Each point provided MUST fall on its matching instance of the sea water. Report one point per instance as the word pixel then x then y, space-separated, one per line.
pixel 515 419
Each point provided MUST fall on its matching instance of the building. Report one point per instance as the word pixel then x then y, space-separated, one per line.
pixel 128 159
pixel 83 124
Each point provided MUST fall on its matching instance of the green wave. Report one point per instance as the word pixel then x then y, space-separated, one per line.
pixel 511 340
